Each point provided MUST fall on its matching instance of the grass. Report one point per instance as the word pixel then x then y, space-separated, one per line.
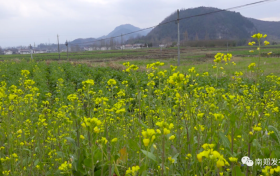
pixel 156 53
pixel 269 65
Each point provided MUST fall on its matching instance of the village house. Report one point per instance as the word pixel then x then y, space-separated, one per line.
pixel 128 46
pixel 39 51
pixel 24 51
pixel 89 48
pixel 7 52
pixel 137 46
pixel 105 48
pixel 162 46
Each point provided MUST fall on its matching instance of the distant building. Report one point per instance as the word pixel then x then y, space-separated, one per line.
pixel 128 46
pixel 118 47
pixel 103 48
pixel 89 48
pixel 7 52
pixel 24 51
pixel 138 46
pixel 39 51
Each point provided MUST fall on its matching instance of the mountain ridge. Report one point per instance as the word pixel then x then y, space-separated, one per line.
pixel 118 31
pixel 226 25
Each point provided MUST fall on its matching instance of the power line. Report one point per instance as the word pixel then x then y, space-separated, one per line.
pixel 172 21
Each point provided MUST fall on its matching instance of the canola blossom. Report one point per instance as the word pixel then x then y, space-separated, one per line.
pixel 61 119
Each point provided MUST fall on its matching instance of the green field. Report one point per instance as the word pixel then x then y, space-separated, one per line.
pixel 147 53
pixel 139 116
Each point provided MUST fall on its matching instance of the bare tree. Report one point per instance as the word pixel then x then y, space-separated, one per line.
pixel 102 43
pixel 186 37
pixel 196 37
pixel 206 36
pixel 75 48
pixel 111 42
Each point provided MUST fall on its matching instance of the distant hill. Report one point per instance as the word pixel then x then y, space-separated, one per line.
pixel 271 28
pixel 225 25
pixel 80 40
pixel 222 25
pixel 122 29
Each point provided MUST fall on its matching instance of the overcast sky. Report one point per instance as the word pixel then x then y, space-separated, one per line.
pixel 24 22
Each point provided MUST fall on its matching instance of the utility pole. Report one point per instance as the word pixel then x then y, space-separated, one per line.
pixel 58 47
pixel 30 47
pixel 66 43
pixel 122 43
pixel 178 44
pixel 227 46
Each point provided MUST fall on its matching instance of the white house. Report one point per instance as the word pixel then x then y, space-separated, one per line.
pixel 128 46
pixel 6 52
pixel 39 51
pixel 89 48
pixel 137 46
pixel 103 48
pixel 24 51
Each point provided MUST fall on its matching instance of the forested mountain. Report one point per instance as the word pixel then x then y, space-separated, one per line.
pixel 222 25
pixel 80 40
pixel 122 29
pixel 271 28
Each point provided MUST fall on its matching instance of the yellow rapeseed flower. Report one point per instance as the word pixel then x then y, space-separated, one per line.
pixel 146 142
pixel 166 131
pixel 171 137
pixel 82 137
pixel 256 128
pixel 114 140
pixel 232 159
pixel 220 163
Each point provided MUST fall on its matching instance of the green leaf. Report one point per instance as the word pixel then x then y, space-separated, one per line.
pixel 237 171
pixel 116 170
pixel 144 173
pixel 256 144
pixel 175 157
pixel 74 116
pixel 1 169
pixel 276 134
pixel 88 162
pixel 71 140
pixel 149 155
pixel 232 118
pixel 27 150
pixel 254 137
pixel 266 152
pixel 143 124
pixel 60 154
pixel 225 140
pixel 36 162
